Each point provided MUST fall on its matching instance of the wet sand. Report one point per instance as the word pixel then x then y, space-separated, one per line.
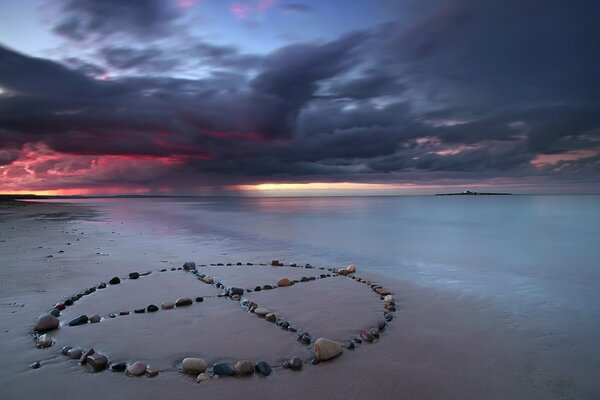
pixel 439 346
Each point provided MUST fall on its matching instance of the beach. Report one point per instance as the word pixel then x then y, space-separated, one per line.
pixel 439 345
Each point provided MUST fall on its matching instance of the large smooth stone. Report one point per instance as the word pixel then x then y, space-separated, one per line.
pixel 184 301
pixel 46 322
pixel 114 280
pixel 261 312
pixel 194 365
pixel 326 349
pixel 351 268
pixel 223 369
pixel 167 305
pixel 284 282
pixel 296 363
pixel 136 369
pixel 263 368
pixel 97 361
pixel 243 367
pixel 134 275
pixel 75 354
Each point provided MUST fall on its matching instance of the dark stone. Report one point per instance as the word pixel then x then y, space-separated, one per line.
pixel 85 355
pixel 97 362
pixel 223 369
pixel 388 317
pixel 55 312
pixel 60 306
pixel 199 299
pixel 119 367
pixel 314 361
pixel 236 290
pixel 263 368
pixel 367 336
pixel 140 311
pixel 134 275
pixel 152 308
pixel 114 280
pixel 65 350
pixel 219 264
pixel 189 265
pixel 124 313
pixel 101 285
pixel 292 328
pixel 357 340
pixel 374 332
pixel 163 270
pixel 350 346
pixel 238 263
pixel 257 289
pixel 69 302
pixel 304 279
pixel 35 365
pixel 296 363
pixel 381 325
pixel 267 287
pixel 82 319
pixel 184 301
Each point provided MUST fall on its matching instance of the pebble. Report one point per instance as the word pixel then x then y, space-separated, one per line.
pixel 350 346
pixel 60 306
pixel 296 363
pixel 271 317
pixel 326 349
pixel 136 369
pixel 55 312
pixel 46 322
pixel 35 365
pixel 97 361
pixel 75 353
pixel 151 373
pixel 388 317
pixel 192 365
pixel 208 279
pixel 263 368
pixel 351 268
pixel 119 367
pixel 367 336
pixel 284 282
pixel 65 350
pixel 388 298
pixel 94 318
pixel 189 265
pixel 101 285
pixel 85 356
pixel 374 332
pixel 199 299
pixel 381 325
pixel 134 275
pixel 267 287
pixel 69 302
pixel 276 263
pixel 223 369
pixel 184 301
pixel 140 311
pixel 44 341
pixel 114 280
pixel 261 312
pixel 152 308
pixel 342 271
pixel 202 377
pixel 167 305
pixel 257 289
pixel 236 290
pixel 243 367
pixel 124 313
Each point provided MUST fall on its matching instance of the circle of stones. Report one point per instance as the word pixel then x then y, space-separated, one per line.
pixel 99 362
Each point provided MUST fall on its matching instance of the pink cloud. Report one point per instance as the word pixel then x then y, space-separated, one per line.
pixel 264 5
pixel 239 10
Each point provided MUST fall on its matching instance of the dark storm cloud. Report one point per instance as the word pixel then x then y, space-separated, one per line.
pixel 83 19
pixel 463 90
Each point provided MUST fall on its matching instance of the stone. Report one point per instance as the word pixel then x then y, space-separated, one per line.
pixel 138 368
pixel 192 365
pixel 69 302
pixel 152 308
pixel 267 287
pixel 202 377
pixel 236 290
pixel 326 349
pixel 119 367
pixel 275 263
pixel 35 365
pixel 350 346
pixel 151 373
pixel 208 279
pixel 46 322
pixel 381 325
pixel 388 298
pixel 184 301
pixel 351 268
pixel 304 279
pixel 44 341
pixel 114 280
pixel 55 312
pixel 243 367
pixel 296 363
pixel 140 311
pixel 366 336
pixel 134 275
pixel 263 368
pixel 199 299
pixel 85 355
pixel 95 318
pixel 271 317
pixel 97 361
pixel 284 282
pixel 388 317
pixel 101 285
pixel 60 306
pixel 261 312
pixel 189 265
pixel 342 271
pixel 167 305
pixel 65 350
pixel 75 353
pixel 257 289
pixel 223 369
pixel 124 313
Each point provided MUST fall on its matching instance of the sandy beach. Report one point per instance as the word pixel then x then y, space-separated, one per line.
pixel 438 346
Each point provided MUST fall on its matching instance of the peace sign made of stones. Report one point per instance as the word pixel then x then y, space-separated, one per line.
pixel 323 349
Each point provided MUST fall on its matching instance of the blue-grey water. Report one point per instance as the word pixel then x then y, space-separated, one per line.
pixel 536 258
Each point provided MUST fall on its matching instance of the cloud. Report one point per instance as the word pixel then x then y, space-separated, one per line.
pixel 296 8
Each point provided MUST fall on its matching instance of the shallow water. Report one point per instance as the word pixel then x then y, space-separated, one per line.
pixel 536 257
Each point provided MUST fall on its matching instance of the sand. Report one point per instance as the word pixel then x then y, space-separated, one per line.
pixel 440 346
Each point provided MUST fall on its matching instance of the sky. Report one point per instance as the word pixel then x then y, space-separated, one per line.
pixel 267 97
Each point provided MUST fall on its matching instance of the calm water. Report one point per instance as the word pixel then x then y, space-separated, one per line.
pixel 535 257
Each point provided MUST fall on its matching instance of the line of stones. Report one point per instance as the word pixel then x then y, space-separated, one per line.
pixel 99 362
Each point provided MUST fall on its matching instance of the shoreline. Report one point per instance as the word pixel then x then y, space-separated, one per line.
pixel 440 346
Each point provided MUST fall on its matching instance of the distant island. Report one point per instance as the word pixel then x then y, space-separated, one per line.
pixel 471 193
